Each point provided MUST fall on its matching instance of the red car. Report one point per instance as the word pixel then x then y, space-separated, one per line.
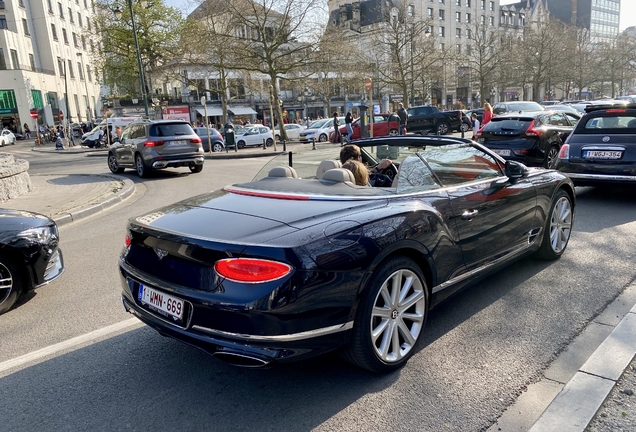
pixel 381 126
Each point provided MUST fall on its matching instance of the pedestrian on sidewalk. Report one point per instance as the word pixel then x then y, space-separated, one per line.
pixel 488 114
pixel 401 112
pixel 27 131
pixel 336 128
pixel 348 121
pixel 476 125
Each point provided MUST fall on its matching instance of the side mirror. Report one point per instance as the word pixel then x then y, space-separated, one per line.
pixel 515 170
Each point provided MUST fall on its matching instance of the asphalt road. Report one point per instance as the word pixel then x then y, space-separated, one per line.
pixel 480 349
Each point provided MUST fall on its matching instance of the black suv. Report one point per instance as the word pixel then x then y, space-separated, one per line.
pixel 533 138
pixel 602 147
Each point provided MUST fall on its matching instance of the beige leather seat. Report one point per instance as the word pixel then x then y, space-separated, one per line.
pixel 326 166
pixel 339 175
pixel 282 171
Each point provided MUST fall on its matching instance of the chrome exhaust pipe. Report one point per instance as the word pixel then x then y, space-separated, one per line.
pixel 242 359
pixel 159 164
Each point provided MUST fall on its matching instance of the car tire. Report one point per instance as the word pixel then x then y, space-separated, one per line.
pixel 551 157
pixel 443 128
pixel 113 165
pixel 322 138
pixel 140 166
pixel 241 144
pixel 277 137
pixel 464 127
pixel 384 322
pixel 269 142
pixel 196 168
pixel 558 227
pixel 393 132
pixel 11 287
pixel 217 147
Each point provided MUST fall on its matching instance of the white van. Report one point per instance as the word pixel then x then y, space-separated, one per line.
pixel 90 138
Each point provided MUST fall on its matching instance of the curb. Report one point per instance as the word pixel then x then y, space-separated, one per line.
pixel 67 150
pixel 212 156
pixel 82 213
pixel 581 398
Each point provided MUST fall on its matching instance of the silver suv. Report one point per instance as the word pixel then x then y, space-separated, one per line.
pixel 156 144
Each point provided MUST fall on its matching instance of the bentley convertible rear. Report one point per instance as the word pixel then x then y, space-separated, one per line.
pixel 284 267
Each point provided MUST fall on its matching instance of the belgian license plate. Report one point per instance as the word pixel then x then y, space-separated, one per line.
pixel 302 138
pixel 176 143
pixel 161 302
pixel 602 154
pixel 502 152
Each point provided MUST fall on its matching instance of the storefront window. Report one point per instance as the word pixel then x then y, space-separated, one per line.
pixel 7 101
pixel 37 99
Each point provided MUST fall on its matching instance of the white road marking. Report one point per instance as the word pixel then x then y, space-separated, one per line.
pixel 127 325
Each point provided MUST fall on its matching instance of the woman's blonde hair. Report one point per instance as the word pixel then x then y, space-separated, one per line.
pixel 488 107
pixel 359 170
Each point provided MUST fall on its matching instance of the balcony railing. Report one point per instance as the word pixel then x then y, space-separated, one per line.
pixel 27 68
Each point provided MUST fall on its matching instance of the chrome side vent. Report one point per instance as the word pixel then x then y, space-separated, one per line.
pixel 532 235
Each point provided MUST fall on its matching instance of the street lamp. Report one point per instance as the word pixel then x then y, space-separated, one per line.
pixel 118 14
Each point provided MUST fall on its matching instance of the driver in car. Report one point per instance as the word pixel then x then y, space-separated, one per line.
pixel 377 179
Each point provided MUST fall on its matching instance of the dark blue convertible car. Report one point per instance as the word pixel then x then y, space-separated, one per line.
pixel 302 261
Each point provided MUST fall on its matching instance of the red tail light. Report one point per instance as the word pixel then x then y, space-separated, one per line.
pixel 153 143
pixel 532 131
pixel 564 153
pixel 127 240
pixel 249 270
pixel 196 140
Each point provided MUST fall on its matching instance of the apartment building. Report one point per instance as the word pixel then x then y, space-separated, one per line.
pixel 45 62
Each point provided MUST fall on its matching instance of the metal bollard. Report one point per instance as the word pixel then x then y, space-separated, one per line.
pixel 462 129
pixel 284 145
pixel 264 147
pixel 313 143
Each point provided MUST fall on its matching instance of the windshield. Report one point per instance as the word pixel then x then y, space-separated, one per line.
pixel 507 125
pixel 610 124
pixel 317 124
pixel 525 106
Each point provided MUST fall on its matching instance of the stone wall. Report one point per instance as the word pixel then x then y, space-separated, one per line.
pixel 14 178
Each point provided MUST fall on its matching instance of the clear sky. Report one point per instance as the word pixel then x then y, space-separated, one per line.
pixel 628 12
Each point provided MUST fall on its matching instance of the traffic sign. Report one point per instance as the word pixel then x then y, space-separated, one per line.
pixel 61 115
pixel 368 84
pixel 34 113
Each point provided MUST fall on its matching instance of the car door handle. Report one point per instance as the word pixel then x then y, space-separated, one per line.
pixel 469 214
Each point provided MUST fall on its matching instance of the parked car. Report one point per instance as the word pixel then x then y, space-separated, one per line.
pixel 29 254
pixel 253 136
pixel 516 107
pixel 156 144
pixel 318 131
pixel 218 143
pixel 293 131
pixel 429 119
pixel 549 103
pixel 479 112
pixel 384 124
pixel 602 147
pixel 302 261
pixel 6 138
pixel 628 99
pixel 533 138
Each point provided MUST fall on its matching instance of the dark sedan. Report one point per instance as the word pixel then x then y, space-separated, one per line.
pixel 602 148
pixel 533 138
pixel 29 254
pixel 302 261
pixel 217 140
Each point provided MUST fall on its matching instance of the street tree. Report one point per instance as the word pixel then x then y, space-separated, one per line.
pixel 115 57
pixel 583 58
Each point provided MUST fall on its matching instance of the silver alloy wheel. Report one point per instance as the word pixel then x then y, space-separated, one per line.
pixel 322 138
pixel 551 158
pixel 217 147
pixel 398 315
pixel 560 224
pixel 6 283
pixel 464 127
pixel 442 128
pixel 393 132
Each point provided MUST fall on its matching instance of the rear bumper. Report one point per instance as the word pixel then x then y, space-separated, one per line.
pixel 173 163
pixel 593 174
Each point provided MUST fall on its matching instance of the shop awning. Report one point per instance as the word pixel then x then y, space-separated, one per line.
pixel 212 111
pixel 241 110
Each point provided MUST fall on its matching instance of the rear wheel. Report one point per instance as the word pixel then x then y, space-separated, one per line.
pixel 217 147
pixel 322 138
pixel 140 166
pixel 464 127
pixel 269 142
pixel 390 317
pixel 113 165
pixel 10 285
pixel 442 128
pixel 558 227
pixel 393 132
pixel 551 157
pixel 196 168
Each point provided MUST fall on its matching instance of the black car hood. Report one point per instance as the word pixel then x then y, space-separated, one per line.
pixel 234 218
pixel 18 220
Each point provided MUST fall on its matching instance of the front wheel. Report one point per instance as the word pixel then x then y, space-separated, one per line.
pixel 558 227
pixel 443 128
pixel 113 165
pixel 10 285
pixel 241 144
pixel 322 138
pixel 390 317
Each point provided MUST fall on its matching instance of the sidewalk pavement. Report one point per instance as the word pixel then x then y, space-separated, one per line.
pixel 574 389
pixel 67 198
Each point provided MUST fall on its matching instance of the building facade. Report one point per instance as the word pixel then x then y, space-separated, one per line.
pixel 45 62
pixel 601 17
